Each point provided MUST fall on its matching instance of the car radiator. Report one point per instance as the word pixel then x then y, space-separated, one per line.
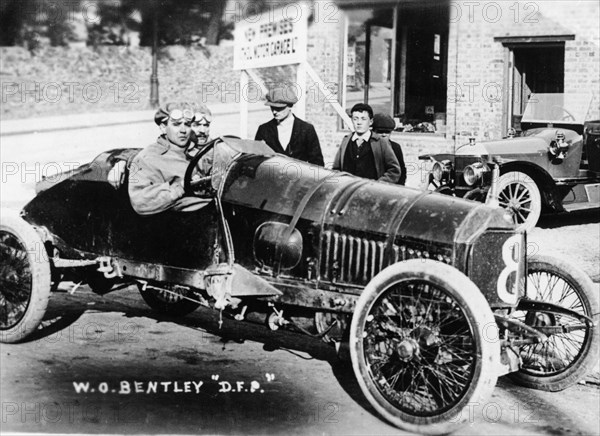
pixel 352 259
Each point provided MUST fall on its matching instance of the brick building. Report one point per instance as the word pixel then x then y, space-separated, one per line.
pixel 460 67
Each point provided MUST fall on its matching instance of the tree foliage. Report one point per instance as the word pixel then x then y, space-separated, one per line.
pixel 111 22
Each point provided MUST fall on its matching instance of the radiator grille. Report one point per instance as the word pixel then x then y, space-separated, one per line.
pixel 351 259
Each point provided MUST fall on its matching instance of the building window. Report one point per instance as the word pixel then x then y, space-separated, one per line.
pixel 396 61
pixel 369 58
pixel 423 59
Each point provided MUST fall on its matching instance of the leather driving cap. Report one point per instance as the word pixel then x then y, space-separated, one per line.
pixel 282 96
pixel 202 111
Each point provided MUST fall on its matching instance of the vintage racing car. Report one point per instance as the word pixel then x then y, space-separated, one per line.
pixel 433 295
pixel 553 165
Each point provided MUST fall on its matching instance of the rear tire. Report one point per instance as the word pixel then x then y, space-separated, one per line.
pixel 422 346
pixel 25 279
pixel 565 358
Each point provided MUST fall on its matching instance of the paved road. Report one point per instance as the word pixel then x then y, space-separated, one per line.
pixel 299 386
pixel 291 384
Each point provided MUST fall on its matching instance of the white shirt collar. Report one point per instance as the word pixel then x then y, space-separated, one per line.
pixel 287 122
pixel 365 136
pixel 284 131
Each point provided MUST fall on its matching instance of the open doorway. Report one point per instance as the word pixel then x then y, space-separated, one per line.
pixel 534 68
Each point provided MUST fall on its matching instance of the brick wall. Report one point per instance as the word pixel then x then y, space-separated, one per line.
pixel 476 63
pixel 62 80
pixel 324 54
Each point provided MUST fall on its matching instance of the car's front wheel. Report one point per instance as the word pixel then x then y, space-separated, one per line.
pixel 571 350
pixel 25 279
pixel 520 196
pixel 424 345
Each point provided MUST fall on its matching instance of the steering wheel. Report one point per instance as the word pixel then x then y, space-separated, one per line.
pixel 568 115
pixel 193 184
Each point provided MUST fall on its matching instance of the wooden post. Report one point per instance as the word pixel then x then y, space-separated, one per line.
pixel 243 105
pixel 300 107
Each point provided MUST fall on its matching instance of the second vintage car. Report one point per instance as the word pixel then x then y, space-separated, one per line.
pixel 552 165
pixel 433 295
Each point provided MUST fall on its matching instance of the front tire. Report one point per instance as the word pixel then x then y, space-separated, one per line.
pixel 424 345
pixel 25 279
pixel 520 196
pixel 566 357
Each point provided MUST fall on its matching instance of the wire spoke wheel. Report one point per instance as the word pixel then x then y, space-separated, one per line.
pixel 520 196
pixel 24 279
pixel 418 348
pixel 15 280
pixel 572 349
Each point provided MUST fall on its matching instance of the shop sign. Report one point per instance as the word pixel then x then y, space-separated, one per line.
pixel 275 37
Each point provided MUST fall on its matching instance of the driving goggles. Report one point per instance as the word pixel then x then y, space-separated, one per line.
pixel 199 116
pixel 178 114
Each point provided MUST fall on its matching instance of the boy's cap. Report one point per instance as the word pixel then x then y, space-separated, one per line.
pixel 383 123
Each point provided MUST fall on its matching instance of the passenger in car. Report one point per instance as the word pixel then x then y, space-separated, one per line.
pixel 201 124
pixel 286 133
pixel 215 161
pixel 156 173
pixel 365 153
pixel 200 137
pixel 384 125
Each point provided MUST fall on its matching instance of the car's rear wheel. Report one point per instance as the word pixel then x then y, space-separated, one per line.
pixel 170 300
pixel 419 348
pixel 572 351
pixel 518 193
pixel 25 279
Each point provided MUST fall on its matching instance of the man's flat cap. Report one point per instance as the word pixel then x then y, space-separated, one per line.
pixel 383 123
pixel 282 96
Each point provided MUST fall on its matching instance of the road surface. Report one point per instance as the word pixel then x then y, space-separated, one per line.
pixel 110 365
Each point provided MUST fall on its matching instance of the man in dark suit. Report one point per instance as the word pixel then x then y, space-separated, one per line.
pixel 384 125
pixel 365 153
pixel 286 133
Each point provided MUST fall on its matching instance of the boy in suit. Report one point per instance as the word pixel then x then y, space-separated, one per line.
pixel 365 153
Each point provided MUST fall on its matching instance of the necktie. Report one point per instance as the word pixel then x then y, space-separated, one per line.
pixel 359 142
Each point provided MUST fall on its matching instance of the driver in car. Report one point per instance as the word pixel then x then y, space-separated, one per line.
pixel 156 173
